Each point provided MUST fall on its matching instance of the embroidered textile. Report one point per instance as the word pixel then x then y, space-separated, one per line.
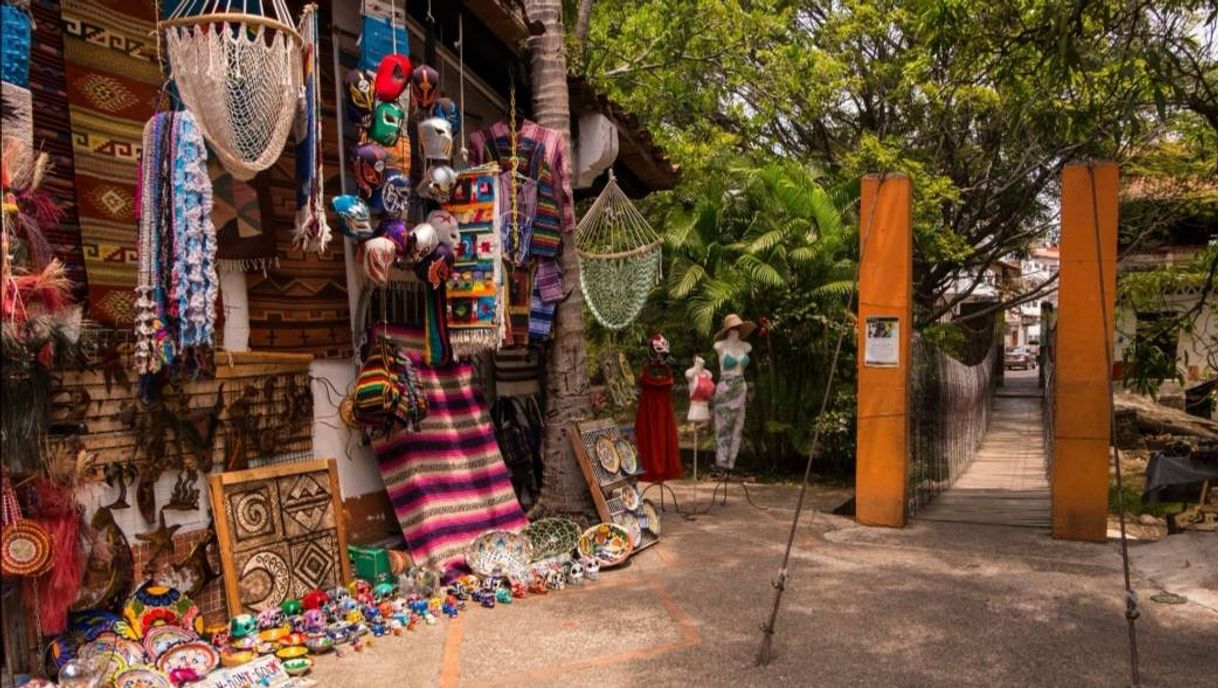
pixel 475 290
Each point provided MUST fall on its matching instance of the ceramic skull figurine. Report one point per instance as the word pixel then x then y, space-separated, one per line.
pixel 436 138
pixel 291 607
pixel 338 593
pixel 314 599
pixel 242 626
pixel 270 618
pixel 438 183
pixel 575 573
pixel 383 591
pixel 555 580
pixel 592 568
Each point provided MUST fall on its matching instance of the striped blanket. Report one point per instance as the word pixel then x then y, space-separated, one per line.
pixel 447 481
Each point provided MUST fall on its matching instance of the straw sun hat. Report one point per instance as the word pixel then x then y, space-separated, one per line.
pixel 733 322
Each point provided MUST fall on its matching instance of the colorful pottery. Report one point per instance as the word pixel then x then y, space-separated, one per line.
pixel 83 627
pixel 196 656
pixel 232 659
pixel 653 517
pixel 291 607
pixel 242 625
pixel 606 454
pixel 297 666
pixel 292 652
pixel 157 605
pixel 500 552
pixel 552 537
pixel 159 639
pixel 319 643
pixel 631 524
pixel 273 635
pixel 629 457
pixel 629 496
pixel 142 677
pixel 608 543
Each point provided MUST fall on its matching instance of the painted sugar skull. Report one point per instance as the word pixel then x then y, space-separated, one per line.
pixel 447 108
pixel 424 86
pixel 359 586
pixel 448 232
pixel 555 580
pixel 314 599
pixel 339 593
pixel 383 591
pixel 314 620
pixel 592 568
pixel 356 220
pixel 438 183
pixel 436 138
pixel 368 165
pixel 361 99
pixel 242 626
pixel 270 618
pixel 291 607
pixel 386 123
pixel 392 77
pixel 575 573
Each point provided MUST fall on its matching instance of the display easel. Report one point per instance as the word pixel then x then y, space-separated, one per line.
pixel 724 483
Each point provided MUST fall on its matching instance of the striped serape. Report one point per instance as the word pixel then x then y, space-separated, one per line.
pixel 447 481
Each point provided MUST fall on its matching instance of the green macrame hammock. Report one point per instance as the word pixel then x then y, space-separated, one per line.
pixel 619 258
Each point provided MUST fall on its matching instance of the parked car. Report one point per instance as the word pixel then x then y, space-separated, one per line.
pixel 1020 357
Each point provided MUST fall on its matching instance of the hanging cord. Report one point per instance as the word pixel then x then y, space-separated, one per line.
pixel 780 583
pixel 461 88
pixel 1131 597
pixel 515 165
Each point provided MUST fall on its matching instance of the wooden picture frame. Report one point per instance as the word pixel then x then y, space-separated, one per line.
pixel 268 530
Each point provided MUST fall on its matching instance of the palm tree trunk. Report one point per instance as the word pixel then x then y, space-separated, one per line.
pixel 563 489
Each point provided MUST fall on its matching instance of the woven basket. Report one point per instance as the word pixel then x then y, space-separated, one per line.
pixel 25 549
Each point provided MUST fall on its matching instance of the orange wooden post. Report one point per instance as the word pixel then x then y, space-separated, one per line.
pixel 1081 404
pixel 885 299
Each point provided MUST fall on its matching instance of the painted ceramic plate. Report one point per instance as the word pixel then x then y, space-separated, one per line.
pixel 631 524
pixel 629 495
pixel 500 550
pixel 142 677
pixel 196 656
pixel 628 456
pixel 158 639
pixel 653 517
pixel 110 645
pixel 607 455
pixel 607 542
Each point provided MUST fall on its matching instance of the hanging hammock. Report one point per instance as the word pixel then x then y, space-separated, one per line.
pixel 619 258
pixel 240 74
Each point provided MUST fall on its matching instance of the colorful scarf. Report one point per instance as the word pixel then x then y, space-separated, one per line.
pixel 311 234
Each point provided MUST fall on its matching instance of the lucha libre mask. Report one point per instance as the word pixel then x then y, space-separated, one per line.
pixel 392 77
pixel 394 229
pixel 368 164
pixel 447 108
pixel 378 256
pixel 447 230
pixel 386 123
pixel 360 98
pixel 436 137
pixel 356 221
pixel 393 197
pixel 424 86
pixel 425 240
pixel 438 183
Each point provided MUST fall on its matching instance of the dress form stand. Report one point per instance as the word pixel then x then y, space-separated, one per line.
pixel 655 428
pixel 701 390
pixel 731 396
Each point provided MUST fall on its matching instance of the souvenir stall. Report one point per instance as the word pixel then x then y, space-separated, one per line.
pixel 168 516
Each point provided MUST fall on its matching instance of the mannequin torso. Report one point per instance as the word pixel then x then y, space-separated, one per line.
pixel 733 354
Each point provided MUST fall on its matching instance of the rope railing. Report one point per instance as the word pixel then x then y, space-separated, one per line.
pixel 950 404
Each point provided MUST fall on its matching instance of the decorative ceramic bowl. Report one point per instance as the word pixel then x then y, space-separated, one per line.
pixel 273 635
pixel 159 639
pixel 292 639
pixel 631 523
pixel 247 643
pixel 319 643
pixel 297 666
pixel 264 648
pixel 552 537
pixel 500 551
pixel 196 656
pixel 608 543
pixel 292 652
pixel 237 658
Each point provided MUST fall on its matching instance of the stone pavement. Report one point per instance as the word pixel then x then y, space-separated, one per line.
pixel 935 604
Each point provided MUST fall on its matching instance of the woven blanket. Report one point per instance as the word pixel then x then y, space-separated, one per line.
pixel 112 85
pixel 447 481
pixel 475 290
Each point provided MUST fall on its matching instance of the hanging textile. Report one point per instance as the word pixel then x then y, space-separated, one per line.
pixel 177 288
pixel 112 80
pixel 655 427
pixel 382 32
pixel 447 480
pixel 311 234
pixel 475 290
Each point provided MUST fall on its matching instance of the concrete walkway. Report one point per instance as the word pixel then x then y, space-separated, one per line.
pixel 935 604
pixel 1006 483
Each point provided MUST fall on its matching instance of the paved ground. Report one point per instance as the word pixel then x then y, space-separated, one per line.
pixel 936 604
pixel 1005 484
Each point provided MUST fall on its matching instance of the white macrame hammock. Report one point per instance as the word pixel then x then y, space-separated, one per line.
pixel 619 258
pixel 239 73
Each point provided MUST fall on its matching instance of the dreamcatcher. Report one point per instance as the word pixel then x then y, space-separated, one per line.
pixel 619 258
pixel 240 73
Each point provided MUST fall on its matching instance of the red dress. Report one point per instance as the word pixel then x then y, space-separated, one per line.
pixel 655 428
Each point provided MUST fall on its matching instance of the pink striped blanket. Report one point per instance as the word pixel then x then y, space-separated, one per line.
pixel 447 481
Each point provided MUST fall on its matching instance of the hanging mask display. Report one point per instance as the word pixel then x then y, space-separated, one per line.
pixel 447 108
pixel 386 123
pixel 360 100
pixel 392 77
pixel 356 220
pixel 424 86
pixel 438 183
pixel 436 138
pixel 425 240
pixel 395 230
pixel 377 260
pixel 394 195
pixel 447 229
pixel 368 164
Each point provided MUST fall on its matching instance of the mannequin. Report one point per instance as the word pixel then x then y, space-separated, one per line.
pixel 701 389
pixel 732 391
pixel 655 428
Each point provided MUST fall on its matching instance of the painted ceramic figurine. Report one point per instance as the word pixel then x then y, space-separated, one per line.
pixel 732 391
